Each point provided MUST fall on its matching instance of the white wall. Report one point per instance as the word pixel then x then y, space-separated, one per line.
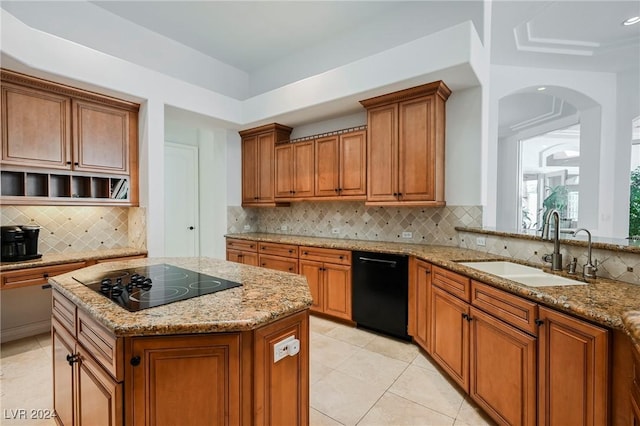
pixel 449 55
pixel 585 90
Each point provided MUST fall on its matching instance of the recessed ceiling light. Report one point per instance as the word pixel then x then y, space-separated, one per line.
pixel 540 89
pixel 632 21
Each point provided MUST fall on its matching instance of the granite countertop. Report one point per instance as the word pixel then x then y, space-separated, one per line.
pixel 265 296
pixel 606 302
pixel 60 258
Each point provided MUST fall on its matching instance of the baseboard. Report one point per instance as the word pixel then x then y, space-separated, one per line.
pixel 27 330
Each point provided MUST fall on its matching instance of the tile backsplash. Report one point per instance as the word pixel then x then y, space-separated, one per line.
pixel 67 229
pixel 616 265
pixel 354 220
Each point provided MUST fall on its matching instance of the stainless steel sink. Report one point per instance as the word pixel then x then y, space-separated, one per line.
pixel 522 274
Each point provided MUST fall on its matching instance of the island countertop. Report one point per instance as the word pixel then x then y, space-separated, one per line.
pixel 264 297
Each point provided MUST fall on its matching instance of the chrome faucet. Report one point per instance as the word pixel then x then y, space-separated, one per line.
pixel 554 258
pixel 589 269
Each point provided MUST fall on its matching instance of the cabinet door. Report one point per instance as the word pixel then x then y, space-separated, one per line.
pixel 266 143
pixel 184 380
pixel 337 290
pixel 99 396
pixel 353 164
pixel 572 371
pixel 234 256
pixel 250 170
pixel 503 370
pixel 422 295
pixel 284 171
pixel 416 152
pixel 100 138
pixel 303 169
pixel 327 162
pixel 278 263
pixel 36 128
pixel 382 153
pixel 63 345
pixel 313 272
pixel 450 335
pixel 281 389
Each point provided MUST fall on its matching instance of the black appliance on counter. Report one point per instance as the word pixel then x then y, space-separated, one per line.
pixel 145 287
pixel 19 243
pixel 380 292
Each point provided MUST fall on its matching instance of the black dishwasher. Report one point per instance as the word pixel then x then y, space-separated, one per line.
pixel 380 292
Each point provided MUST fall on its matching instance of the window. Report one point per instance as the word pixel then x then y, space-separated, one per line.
pixel 550 177
pixel 634 201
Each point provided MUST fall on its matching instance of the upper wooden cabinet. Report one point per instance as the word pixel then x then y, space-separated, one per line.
pixel 294 170
pixel 341 165
pixel 258 164
pixel 36 127
pixel 405 146
pixel 87 142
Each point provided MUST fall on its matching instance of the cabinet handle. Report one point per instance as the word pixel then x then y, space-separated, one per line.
pixel 45 275
pixel 467 317
pixel 135 361
pixel 539 322
pixel 73 358
pixel 264 247
pixel 305 253
pixel 240 256
pixel 341 257
pixel 337 190
pixel 395 194
pixel 263 264
pixel 399 194
pixel 427 271
pixel 290 251
pixel 251 246
pixel 76 164
pixel 291 268
pixel 68 162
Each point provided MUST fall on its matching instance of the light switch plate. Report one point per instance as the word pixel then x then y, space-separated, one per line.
pixel 407 234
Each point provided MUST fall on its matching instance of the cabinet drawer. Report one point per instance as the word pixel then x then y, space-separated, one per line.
pixel 64 310
pixel 458 285
pixel 277 249
pixel 102 345
pixel 279 263
pixel 511 309
pixel 36 276
pixel 244 245
pixel 338 257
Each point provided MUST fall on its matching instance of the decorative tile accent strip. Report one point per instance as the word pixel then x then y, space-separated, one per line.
pixel 619 266
pixel 68 229
pixel 354 220
pixel 138 228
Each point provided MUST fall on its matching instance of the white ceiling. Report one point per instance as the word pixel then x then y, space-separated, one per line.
pixel 261 38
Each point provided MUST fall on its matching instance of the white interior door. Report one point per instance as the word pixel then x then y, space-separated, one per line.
pixel 181 233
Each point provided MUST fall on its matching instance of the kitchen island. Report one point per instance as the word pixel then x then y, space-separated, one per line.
pixel 204 360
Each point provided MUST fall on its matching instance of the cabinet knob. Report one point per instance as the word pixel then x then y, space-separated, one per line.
pixel 291 268
pixel 290 251
pixel 191 228
pixel 76 164
pixel 135 361
pixel 467 317
pixel 45 275
pixel 395 194
pixel 341 257
pixel 399 194
pixel 539 322
pixel 240 256
pixel 427 271
pixel 336 190
pixel 263 264
pixel 68 163
pixel 264 247
pixel 73 358
pixel 305 253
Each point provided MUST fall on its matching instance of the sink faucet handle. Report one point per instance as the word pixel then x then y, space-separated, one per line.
pixel 572 266
pixel 589 270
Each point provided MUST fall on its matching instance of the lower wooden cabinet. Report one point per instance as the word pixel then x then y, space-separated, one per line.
pixel 329 283
pixel 502 370
pixel 419 302
pixel 277 256
pixel 83 392
pixel 213 379
pixel 184 380
pixel 36 276
pixel 573 371
pixel 242 251
pixel 450 335
pixel 634 393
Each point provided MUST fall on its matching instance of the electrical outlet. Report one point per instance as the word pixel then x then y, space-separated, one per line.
pixel 247 227
pixel 407 234
pixel 284 227
pixel 335 230
pixel 287 347
pixel 481 241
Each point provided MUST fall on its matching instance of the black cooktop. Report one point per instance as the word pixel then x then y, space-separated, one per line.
pixel 154 285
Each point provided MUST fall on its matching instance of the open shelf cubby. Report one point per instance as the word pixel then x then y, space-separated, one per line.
pixel 20 187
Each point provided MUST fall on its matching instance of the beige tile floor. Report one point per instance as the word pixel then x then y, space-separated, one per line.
pixel 357 378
